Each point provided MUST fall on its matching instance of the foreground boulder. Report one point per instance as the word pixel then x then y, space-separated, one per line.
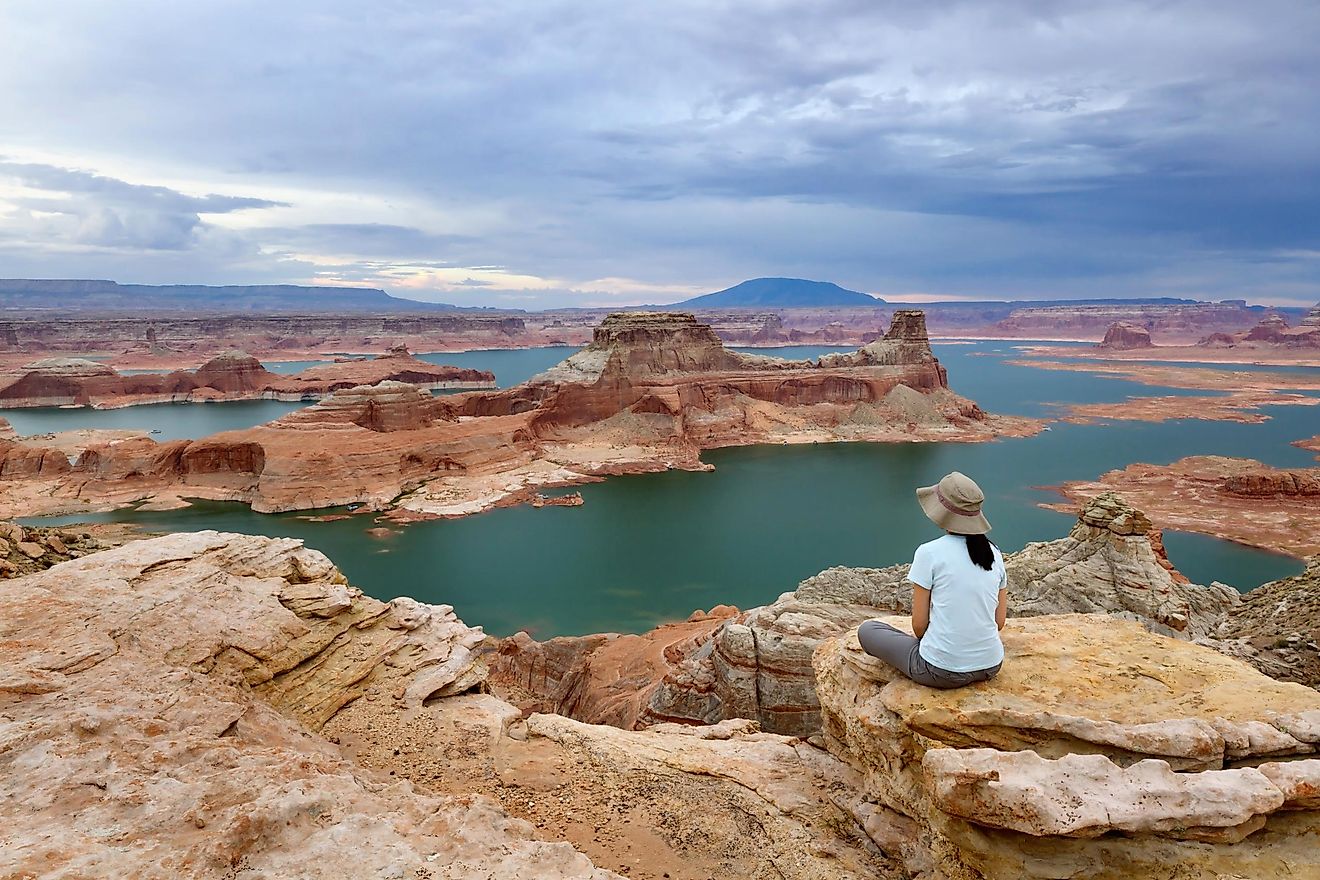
pixel 157 703
pixel 1100 751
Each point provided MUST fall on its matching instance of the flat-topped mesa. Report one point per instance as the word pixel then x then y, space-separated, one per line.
pixel 1312 319
pixel 397 364
pixel 383 408
pixel 234 371
pixel 56 381
pixel 1123 335
pixel 1271 329
pixel 637 345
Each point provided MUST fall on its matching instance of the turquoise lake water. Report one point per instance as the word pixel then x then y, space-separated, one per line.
pixel 650 548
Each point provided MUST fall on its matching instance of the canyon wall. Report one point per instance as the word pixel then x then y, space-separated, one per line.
pixel 234 375
pixel 650 392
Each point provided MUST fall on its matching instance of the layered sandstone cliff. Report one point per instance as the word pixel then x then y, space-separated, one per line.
pixel 1100 751
pixel 233 375
pixel 1235 498
pixel 161 701
pixel 651 392
pixel 210 705
pixel 1122 335
pixel 222 705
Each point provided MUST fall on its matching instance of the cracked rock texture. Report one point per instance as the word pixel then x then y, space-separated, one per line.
pixel 1101 751
pixel 158 704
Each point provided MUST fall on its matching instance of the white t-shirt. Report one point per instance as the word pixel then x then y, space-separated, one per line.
pixel 962 636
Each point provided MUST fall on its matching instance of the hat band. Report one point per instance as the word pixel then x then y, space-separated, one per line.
pixel 951 508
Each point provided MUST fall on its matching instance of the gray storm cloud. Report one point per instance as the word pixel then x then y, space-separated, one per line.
pixel 993 148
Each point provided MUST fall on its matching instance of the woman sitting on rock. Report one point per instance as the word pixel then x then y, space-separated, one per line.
pixel 959 596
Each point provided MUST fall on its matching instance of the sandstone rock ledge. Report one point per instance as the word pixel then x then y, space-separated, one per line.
pixel 154 710
pixel 211 705
pixel 1101 751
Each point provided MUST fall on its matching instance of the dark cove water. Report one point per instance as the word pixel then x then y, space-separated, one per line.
pixel 650 548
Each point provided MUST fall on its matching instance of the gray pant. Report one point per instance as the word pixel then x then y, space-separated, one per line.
pixel 899 650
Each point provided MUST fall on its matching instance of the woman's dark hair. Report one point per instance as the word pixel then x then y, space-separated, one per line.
pixel 978 549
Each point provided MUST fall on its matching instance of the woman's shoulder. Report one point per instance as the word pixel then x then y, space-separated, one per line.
pixel 938 545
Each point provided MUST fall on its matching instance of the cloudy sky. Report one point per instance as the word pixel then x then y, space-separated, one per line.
pixel 560 152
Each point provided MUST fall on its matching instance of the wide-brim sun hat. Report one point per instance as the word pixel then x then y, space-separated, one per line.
pixel 954 504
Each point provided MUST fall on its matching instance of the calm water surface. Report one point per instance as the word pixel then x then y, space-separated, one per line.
pixel 650 548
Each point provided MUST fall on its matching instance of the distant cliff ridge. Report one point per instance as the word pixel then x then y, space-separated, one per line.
pixel 99 295
pixel 782 293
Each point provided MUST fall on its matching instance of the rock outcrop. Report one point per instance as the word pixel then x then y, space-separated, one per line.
pixel 210 705
pixel 650 393
pixel 1276 628
pixel 1109 563
pixel 1100 751
pixel 606 678
pixel 1271 329
pixel 1234 498
pixel 231 375
pixel 1122 335
pixel 28 550
pixel 159 702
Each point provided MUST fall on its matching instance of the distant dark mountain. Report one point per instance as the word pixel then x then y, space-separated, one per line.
pixel 70 295
pixel 781 293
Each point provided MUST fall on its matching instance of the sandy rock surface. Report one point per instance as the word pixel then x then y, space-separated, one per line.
pixel 1101 750
pixel 158 705
pixel 758 665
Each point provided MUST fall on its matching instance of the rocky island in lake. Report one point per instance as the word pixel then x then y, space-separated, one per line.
pixel 649 393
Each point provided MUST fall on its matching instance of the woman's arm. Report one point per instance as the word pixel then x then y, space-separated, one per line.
pixel 1001 613
pixel 920 610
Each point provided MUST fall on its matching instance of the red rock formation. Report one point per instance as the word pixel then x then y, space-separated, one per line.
pixel 1122 335
pixel 233 375
pixel 650 392
pixel 1270 483
pixel 601 679
pixel 1271 329
pixel 235 372
pixel 1233 498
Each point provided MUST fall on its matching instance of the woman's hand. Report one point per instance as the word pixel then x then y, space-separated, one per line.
pixel 1001 613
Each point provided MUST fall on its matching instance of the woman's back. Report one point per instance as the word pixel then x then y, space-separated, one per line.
pixel 963 635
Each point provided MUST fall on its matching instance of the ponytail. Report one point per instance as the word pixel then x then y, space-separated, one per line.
pixel 979 550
